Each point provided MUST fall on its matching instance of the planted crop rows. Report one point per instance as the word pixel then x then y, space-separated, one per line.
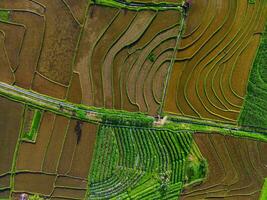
pixel 141 163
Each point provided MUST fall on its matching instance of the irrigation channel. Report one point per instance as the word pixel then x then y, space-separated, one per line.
pixel 68 109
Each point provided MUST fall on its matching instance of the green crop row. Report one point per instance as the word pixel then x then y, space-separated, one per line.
pixel 32 134
pixel 4 15
pixel 136 6
pixel 140 163
pixel 264 190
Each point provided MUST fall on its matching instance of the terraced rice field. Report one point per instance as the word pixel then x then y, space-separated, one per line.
pixel 155 61
pixel 123 58
pixel 215 55
pixel 237 168
pixel 97 55
pixel 142 163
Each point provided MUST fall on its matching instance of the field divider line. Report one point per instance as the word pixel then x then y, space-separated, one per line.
pixel 15 155
pixel 182 22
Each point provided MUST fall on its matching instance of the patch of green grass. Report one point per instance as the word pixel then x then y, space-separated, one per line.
pixel 32 134
pixel 140 163
pixel 264 190
pixel 4 15
pixel 254 111
pixel 251 1
pixel 151 57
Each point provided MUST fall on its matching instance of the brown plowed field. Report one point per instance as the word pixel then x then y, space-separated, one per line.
pixel 34 183
pixel 209 77
pixel 31 46
pixel 236 168
pixel 59 161
pixel 10 121
pixel 54 148
pixel 13 42
pixel 75 90
pixel 30 156
pixel 114 64
pixel 100 58
pixel 57 164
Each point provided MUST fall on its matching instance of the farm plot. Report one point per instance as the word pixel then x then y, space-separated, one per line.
pixel 214 58
pixel 39 42
pixel 254 110
pixel 141 163
pixel 120 54
pixel 100 56
pixel 237 168
pixel 56 164
pixel 10 121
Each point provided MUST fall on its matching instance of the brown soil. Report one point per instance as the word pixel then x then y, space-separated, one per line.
pixel 4 181
pixel 34 183
pixel 80 163
pixel 30 156
pixel 163 20
pixel 70 182
pixel 97 20
pixel 22 4
pixel 162 52
pixel 61 36
pixel 75 90
pixel 53 150
pixel 51 89
pixel 31 46
pixel 195 16
pixel 4 194
pixel 13 42
pixel 157 85
pixel 68 149
pixel 241 71
pixel 102 80
pixel 10 120
pixel 147 89
pixel 236 170
pixel 78 8
pixel 69 193
pixel 6 74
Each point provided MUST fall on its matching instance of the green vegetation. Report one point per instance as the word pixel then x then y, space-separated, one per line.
pixel 35 123
pixel 196 167
pixel 35 197
pixel 264 191
pixel 138 6
pixel 252 1
pixel 4 15
pixel 195 126
pixel 151 57
pixel 254 111
pixel 142 163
